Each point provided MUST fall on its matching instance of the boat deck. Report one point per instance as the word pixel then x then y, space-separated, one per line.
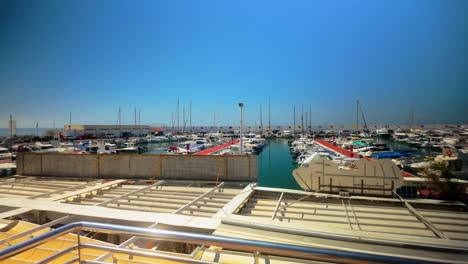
pixel 351 154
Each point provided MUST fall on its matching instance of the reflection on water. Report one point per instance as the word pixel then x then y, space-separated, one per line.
pixel 275 166
pixel 158 148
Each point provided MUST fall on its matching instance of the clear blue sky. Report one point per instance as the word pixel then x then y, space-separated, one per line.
pixel 89 57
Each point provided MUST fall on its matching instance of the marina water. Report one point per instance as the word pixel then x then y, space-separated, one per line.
pixel 275 164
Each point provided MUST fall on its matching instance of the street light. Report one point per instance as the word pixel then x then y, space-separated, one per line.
pixel 241 124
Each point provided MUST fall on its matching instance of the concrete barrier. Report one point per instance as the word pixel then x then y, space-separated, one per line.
pixel 235 168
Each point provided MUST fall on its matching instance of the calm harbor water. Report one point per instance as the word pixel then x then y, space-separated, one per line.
pixel 275 164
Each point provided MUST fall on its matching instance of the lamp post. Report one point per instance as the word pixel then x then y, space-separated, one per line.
pixel 241 124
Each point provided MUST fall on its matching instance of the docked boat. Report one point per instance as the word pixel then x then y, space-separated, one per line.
pixel 131 148
pixel 156 139
pixel 284 134
pixel 376 177
pixel 382 132
pixel 269 135
pixel 5 154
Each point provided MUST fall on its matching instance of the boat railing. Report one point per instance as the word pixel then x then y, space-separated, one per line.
pixel 244 245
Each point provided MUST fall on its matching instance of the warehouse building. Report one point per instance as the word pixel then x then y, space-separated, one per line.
pixel 106 130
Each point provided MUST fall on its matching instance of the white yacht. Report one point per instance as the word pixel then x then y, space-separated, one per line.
pixel 5 154
pixel 156 139
pixel 269 135
pixel 382 132
pixel 286 134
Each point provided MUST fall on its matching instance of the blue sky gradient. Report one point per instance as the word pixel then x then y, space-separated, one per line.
pixel 90 57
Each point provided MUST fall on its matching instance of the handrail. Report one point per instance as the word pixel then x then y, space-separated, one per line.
pixel 122 251
pixel 272 248
pixel 69 217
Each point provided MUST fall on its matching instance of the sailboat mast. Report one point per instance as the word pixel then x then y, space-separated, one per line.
pixel 294 119
pixel 191 128
pixel 261 119
pixel 177 114
pixel 69 122
pixel 357 115
pixel 302 122
pixel 183 118
pixel 269 115
pixel 306 120
pixel 310 119
pixel 120 122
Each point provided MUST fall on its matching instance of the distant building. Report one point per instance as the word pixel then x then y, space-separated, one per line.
pixel 106 130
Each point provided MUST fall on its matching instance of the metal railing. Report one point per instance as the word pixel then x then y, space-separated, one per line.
pixel 268 248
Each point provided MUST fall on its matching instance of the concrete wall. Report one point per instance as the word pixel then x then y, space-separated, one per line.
pixel 142 166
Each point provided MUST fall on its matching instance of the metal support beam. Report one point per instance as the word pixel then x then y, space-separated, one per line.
pixel 277 206
pixel 198 198
pixel 233 205
pixel 130 193
pixel 421 218
pixel 354 214
pixel 298 200
pixel 64 189
pixel 68 217
pixel 346 215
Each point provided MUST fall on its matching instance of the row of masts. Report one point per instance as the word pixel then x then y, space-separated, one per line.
pixel 185 118
pixel 305 117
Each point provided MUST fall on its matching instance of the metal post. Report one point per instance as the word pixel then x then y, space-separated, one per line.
pixel 241 124
pixel 79 245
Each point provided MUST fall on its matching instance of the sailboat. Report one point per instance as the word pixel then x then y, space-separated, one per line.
pixel 268 134
pixel 365 132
